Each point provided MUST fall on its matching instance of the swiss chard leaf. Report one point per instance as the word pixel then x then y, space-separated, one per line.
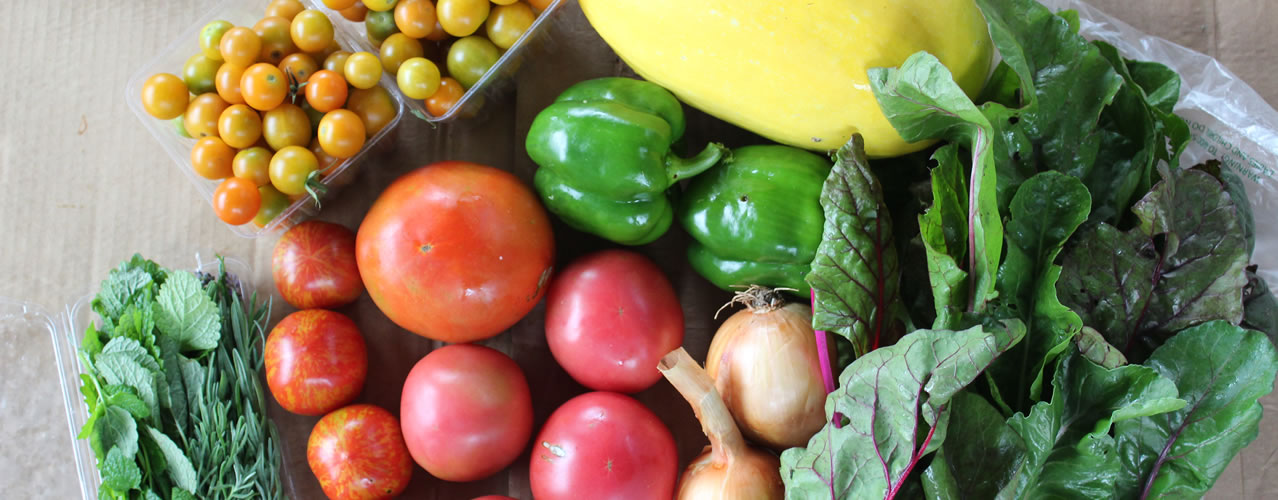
pixel 1221 370
pixel 1092 345
pixel 856 274
pixel 943 231
pixel 983 461
pixel 1184 265
pixel 1260 307
pixel 186 313
pixel 895 400
pixel 922 101
pixel 1069 452
pixel 1045 212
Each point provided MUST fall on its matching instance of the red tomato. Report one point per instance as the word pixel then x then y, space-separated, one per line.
pixel 314 266
pixel 603 445
pixel 610 317
pixel 315 361
pixel 466 412
pixel 494 497
pixel 357 453
pixel 455 251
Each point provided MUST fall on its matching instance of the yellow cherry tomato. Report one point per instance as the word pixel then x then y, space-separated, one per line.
pixel 339 4
pixel 462 17
pixel 211 38
pixel 165 96
pixel 290 169
pixel 252 164
pixel 277 38
pixel 202 114
pixel 336 62
pixel 379 5
pixel 211 158
pixel 286 125
pixel 311 30
pixel 199 72
pixel 240 46
pixel 415 18
pixel 374 106
pixel 341 133
pixel 239 126
pixel 503 2
pixel 286 9
pixel 300 66
pixel 399 48
pixel 509 22
pixel 362 70
pixel 227 82
pixel 418 78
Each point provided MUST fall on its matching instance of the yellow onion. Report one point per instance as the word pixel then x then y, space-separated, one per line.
pixel 764 362
pixel 728 469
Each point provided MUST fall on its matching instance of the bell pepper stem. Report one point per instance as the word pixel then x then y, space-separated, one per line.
pixel 680 168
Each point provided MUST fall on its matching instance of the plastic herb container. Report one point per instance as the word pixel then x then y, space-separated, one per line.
pixel 247 13
pixel 497 80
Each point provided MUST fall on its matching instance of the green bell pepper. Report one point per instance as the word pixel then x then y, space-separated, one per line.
pixel 758 219
pixel 604 151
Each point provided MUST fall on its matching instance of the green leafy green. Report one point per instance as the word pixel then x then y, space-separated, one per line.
pixel 1183 265
pixel 943 231
pixel 186 313
pixel 1221 370
pixel 1092 345
pixel 856 274
pixel 984 458
pixel 922 101
pixel 180 469
pixel 895 400
pixel 1044 213
pixel 115 428
pixel 123 396
pixel 120 472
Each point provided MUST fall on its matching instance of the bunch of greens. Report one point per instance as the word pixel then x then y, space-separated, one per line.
pixel 176 408
pixel 1091 305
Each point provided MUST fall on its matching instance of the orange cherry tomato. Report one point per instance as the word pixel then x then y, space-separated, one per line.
pixel 240 46
pixel 202 114
pixel 286 9
pixel 340 4
pixel 227 83
pixel 236 201
pixel 165 96
pixel 415 18
pixel 450 91
pixel 311 30
pixel 341 133
pixel 286 125
pixel 540 5
pixel 299 65
pixel 462 17
pixel 326 90
pixel 327 164
pixel 239 126
pixel 438 34
pixel 277 39
pixel 374 106
pixel 211 158
pixel 263 86
pixel 354 13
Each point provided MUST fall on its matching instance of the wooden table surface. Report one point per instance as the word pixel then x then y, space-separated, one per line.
pixel 83 186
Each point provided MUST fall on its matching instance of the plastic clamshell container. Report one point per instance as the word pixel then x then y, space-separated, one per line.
pixel 246 13
pixel 68 330
pixel 493 83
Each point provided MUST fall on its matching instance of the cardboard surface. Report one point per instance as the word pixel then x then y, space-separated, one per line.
pixel 83 186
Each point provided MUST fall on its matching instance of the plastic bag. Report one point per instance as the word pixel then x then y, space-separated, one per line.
pixel 1229 120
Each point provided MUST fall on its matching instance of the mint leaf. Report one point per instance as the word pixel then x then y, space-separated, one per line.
pixel 1184 265
pixel 856 273
pixel 181 494
pixel 121 288
pixel 138 323
pixel 1222 371
pixel 180 469
pixel 120 472
pixel 114 428
pixel 91 344
pixel 895 400
pixel 133 350
pixel 123 396
pixel 1069 452
pixel 175 398
pixel 1044 213
pixel 121 368
pixel 922 101
pixel 188 314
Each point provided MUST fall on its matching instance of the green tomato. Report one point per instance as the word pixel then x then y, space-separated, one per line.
pixel 273 204
pixel 211 38
pixel 199 73
pixel 181 127
pixel 380 25
pixel 471 57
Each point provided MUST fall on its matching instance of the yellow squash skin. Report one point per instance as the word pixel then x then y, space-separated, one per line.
pixel 793 71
